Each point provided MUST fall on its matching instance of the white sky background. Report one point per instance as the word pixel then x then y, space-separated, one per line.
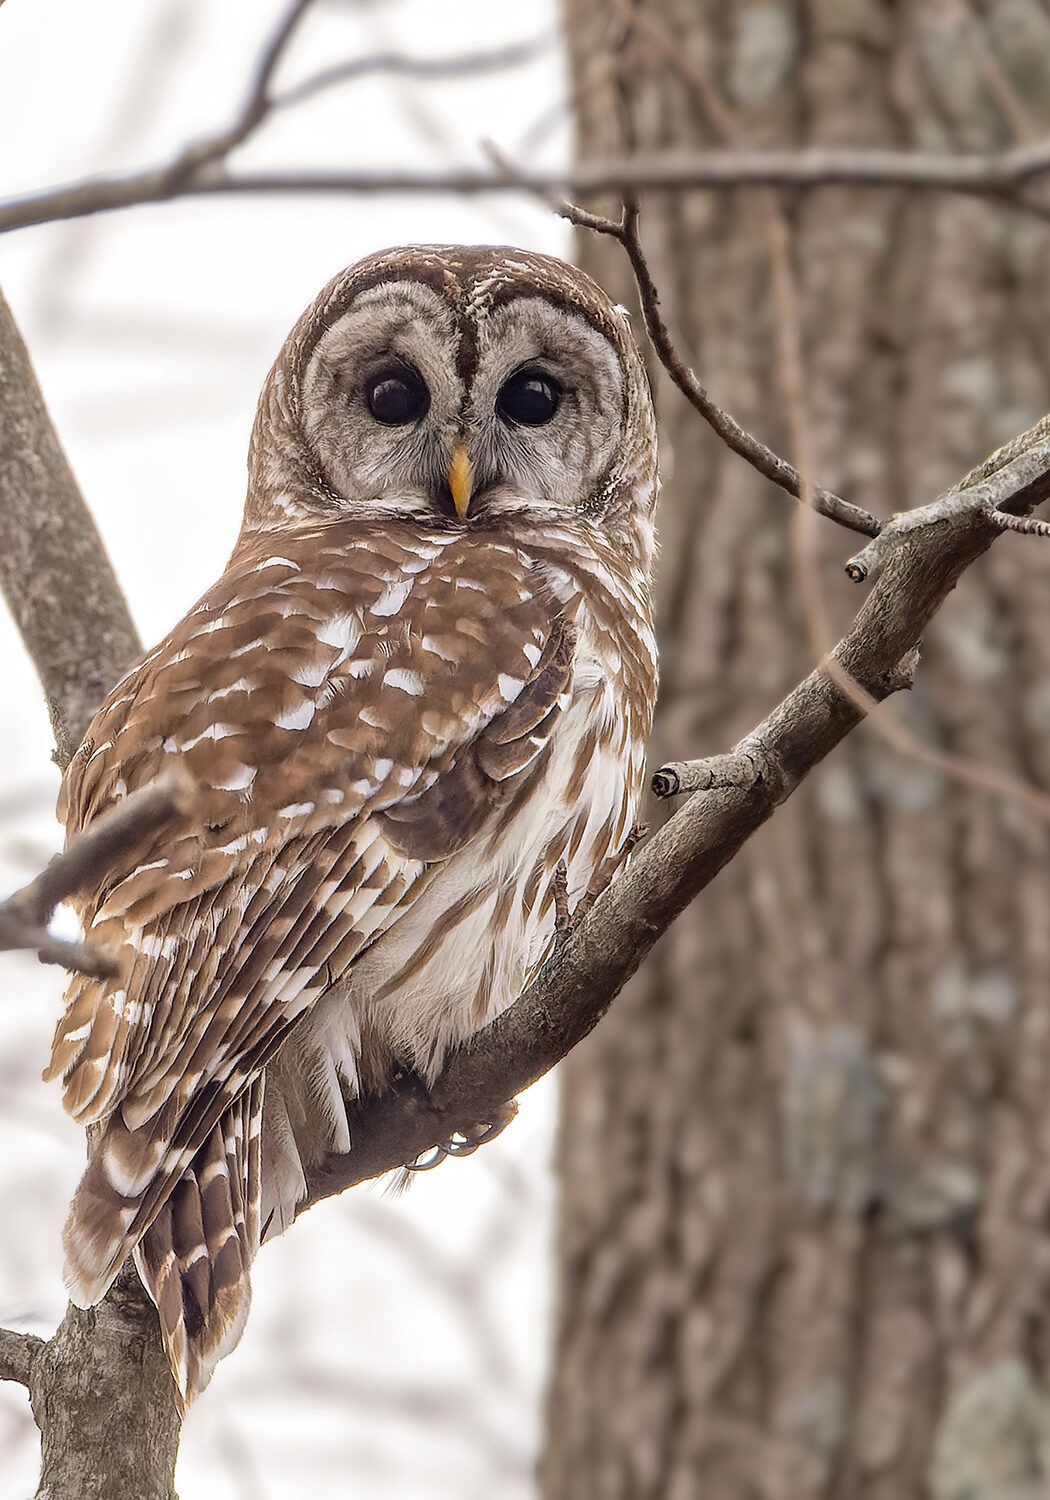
pixel 396 1346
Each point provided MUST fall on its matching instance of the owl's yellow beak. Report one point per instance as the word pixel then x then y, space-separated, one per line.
pixel 461 480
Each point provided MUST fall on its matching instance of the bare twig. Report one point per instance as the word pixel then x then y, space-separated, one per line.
pixel 728 428
pixel 1010 104
pixel 197 167
pixel 25 915
pixel 80 958
pixel 737 769
pixel 458 65
pixel 1006 176
pixel 258 104
pixel 93 853
pixel 17 1353
pixel 723 125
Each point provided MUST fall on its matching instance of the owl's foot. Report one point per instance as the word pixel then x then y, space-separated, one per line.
pixel 466 1142
pixel 611 866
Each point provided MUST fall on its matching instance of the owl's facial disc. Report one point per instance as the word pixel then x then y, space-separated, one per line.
pixel 546 409
pixel 397 429
pixel 379 396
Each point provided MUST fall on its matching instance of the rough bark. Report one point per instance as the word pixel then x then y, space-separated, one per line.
pixel 804 1247
pixel 54 571
pixel 102 1397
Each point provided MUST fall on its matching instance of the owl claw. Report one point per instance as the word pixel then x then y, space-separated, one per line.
pixel 466 1142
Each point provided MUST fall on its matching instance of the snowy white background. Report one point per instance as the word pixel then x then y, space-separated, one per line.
pixel 396 1346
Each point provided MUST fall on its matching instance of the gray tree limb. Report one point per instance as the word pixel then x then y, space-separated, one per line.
pixel 1007 175
pixel 103 1398
pixel 54 572
pixel 17 1353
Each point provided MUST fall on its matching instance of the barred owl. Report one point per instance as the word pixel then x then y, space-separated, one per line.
pixel 415 701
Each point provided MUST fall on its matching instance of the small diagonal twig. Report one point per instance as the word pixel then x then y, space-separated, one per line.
pixel 1010 104
pixel 25 915
pixel 79 958
pixel 769 464
pixel 258 104
pixel 742 442
pixel 722 124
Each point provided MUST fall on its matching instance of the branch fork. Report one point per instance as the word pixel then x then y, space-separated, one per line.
pixel 1013 480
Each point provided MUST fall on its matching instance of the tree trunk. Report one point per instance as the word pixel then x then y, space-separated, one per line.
pixel 805 1237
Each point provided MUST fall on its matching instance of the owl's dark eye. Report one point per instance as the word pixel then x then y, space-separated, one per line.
pixel 397 396
pixel 529 398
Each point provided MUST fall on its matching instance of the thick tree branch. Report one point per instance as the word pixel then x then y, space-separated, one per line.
pixel 17 1353
pixel 104 1401
pixel 1007 176
pixel 921 564
pixel 54 571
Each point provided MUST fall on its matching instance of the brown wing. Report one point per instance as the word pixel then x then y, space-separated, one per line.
pixel 353 709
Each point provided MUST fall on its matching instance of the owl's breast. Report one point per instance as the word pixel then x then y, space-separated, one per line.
pixel 485 920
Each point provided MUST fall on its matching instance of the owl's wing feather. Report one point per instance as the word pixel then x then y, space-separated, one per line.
pixel 374 725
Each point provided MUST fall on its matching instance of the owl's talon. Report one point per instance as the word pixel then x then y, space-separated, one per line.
pixel 466 1142
pixel 608 870
pixel 431 1159
pixel 563 917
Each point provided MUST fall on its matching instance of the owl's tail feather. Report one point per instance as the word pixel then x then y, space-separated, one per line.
pixel 194 1255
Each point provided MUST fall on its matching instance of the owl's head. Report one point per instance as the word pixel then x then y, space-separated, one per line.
pixel 457 387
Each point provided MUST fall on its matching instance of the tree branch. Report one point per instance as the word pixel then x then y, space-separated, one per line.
pixel 54 572
pixel 17 1353
pixel 1006 176
pixel 258 104
pixel 769 464
pixel 627 233
pixel 104 1401
pixel 25 915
